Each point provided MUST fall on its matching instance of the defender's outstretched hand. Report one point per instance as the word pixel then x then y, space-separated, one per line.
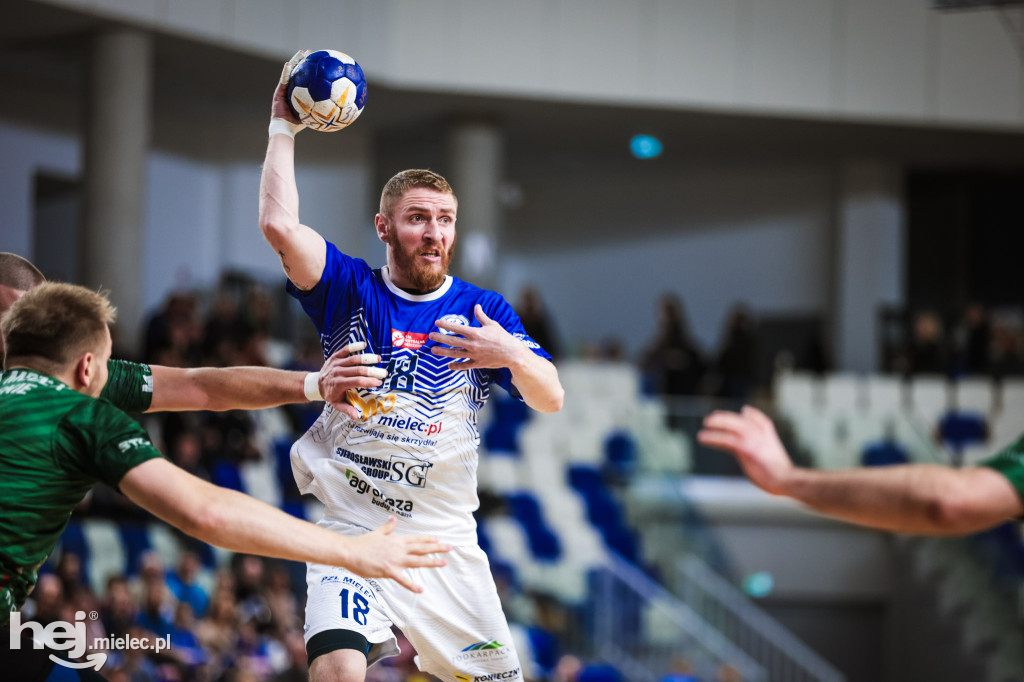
pixel 750 436
pixel 382 555
pixel 348 369
pixel 488 346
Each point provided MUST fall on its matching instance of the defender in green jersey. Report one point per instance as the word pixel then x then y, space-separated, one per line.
pixel 136 387
pixel 57 440
pixel 55 445
pixel 914 498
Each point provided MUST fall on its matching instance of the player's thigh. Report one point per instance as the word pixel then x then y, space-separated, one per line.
pixel 343 612
pixel 457 626
pixel 341 665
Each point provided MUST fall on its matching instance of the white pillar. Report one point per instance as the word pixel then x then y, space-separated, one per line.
pixel 116 142
pixel 476 157
pixel 869 260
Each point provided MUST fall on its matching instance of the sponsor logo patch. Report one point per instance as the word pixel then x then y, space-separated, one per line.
pixel 490 650
pixel 395 469
pixel 410 340
pixel 453 319
pixel 377 498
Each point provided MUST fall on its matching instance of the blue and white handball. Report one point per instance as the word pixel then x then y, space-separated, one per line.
pixel 327 90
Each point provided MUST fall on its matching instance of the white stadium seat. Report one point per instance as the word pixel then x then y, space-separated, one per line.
pixel 883 394
pixel 929 397
pixel 975 394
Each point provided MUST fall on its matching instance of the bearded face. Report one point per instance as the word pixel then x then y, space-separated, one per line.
pixel 423 267
pixel 420 234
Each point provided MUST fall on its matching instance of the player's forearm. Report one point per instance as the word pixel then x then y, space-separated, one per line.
pixel 926 499
pixel 537 381
pixel 279 195
pixel 240 523
pixel 224 388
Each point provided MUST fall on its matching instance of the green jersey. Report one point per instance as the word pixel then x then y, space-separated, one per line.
pixel 55 444
pixel 1010 463
pixel 129 385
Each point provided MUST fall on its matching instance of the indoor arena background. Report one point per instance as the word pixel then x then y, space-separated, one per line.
pixel 816 206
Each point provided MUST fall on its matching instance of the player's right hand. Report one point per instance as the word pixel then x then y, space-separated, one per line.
pixel 381 554
pixel 347 369
pixel 750 436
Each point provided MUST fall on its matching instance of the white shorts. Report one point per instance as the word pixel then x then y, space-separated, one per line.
pixel 456 624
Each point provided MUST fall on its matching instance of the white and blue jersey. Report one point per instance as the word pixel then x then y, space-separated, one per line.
pixel 414 453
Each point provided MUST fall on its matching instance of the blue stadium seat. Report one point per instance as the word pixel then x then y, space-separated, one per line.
pixel 600 673
pixel 227 475
pixel 603 511
pixel 283 467
pixel 482 539
pixel 525 509
pixel 502 435
pixel 135 537
pixel 73 540
pixel 545 648
pixel 884 453
pixel 620 453
pixel 295 508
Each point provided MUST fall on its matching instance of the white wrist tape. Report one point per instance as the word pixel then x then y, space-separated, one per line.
pixel 311 387
pixel 280 126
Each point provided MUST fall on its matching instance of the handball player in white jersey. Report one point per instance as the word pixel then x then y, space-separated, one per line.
pixel 439 344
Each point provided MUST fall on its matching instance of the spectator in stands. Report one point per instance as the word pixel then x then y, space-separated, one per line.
pixel 567 669
pixel 118 612
pixel 173 333
pixel 69 571
pixel 298 670
pixel 973 341
pixel 183 583
pixel 217 630
pixel 537 322
pixel 44 606
pixel 220 329
pixel 185 647
pixel 927 353
pixel 728 673
pixel 1007 348
pixel 672 361
pixel 182 432
pixel 284 612
pixel 157 612
pixel 680 670
pixel 736 365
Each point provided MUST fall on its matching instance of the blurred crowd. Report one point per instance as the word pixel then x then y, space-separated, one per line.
pixel 242 623
pixel 976 342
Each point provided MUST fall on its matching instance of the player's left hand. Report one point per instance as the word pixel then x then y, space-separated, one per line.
pixel 488 346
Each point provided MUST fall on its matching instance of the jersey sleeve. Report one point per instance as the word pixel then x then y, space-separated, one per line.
pixel 337 289
pixel 498 309
pixel 1010 463
pixel 103 442
pixel 129 385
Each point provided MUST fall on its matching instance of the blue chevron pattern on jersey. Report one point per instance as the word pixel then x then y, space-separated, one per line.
pixel 424 417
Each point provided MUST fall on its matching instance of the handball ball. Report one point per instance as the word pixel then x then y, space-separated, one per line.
pixel 327 90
